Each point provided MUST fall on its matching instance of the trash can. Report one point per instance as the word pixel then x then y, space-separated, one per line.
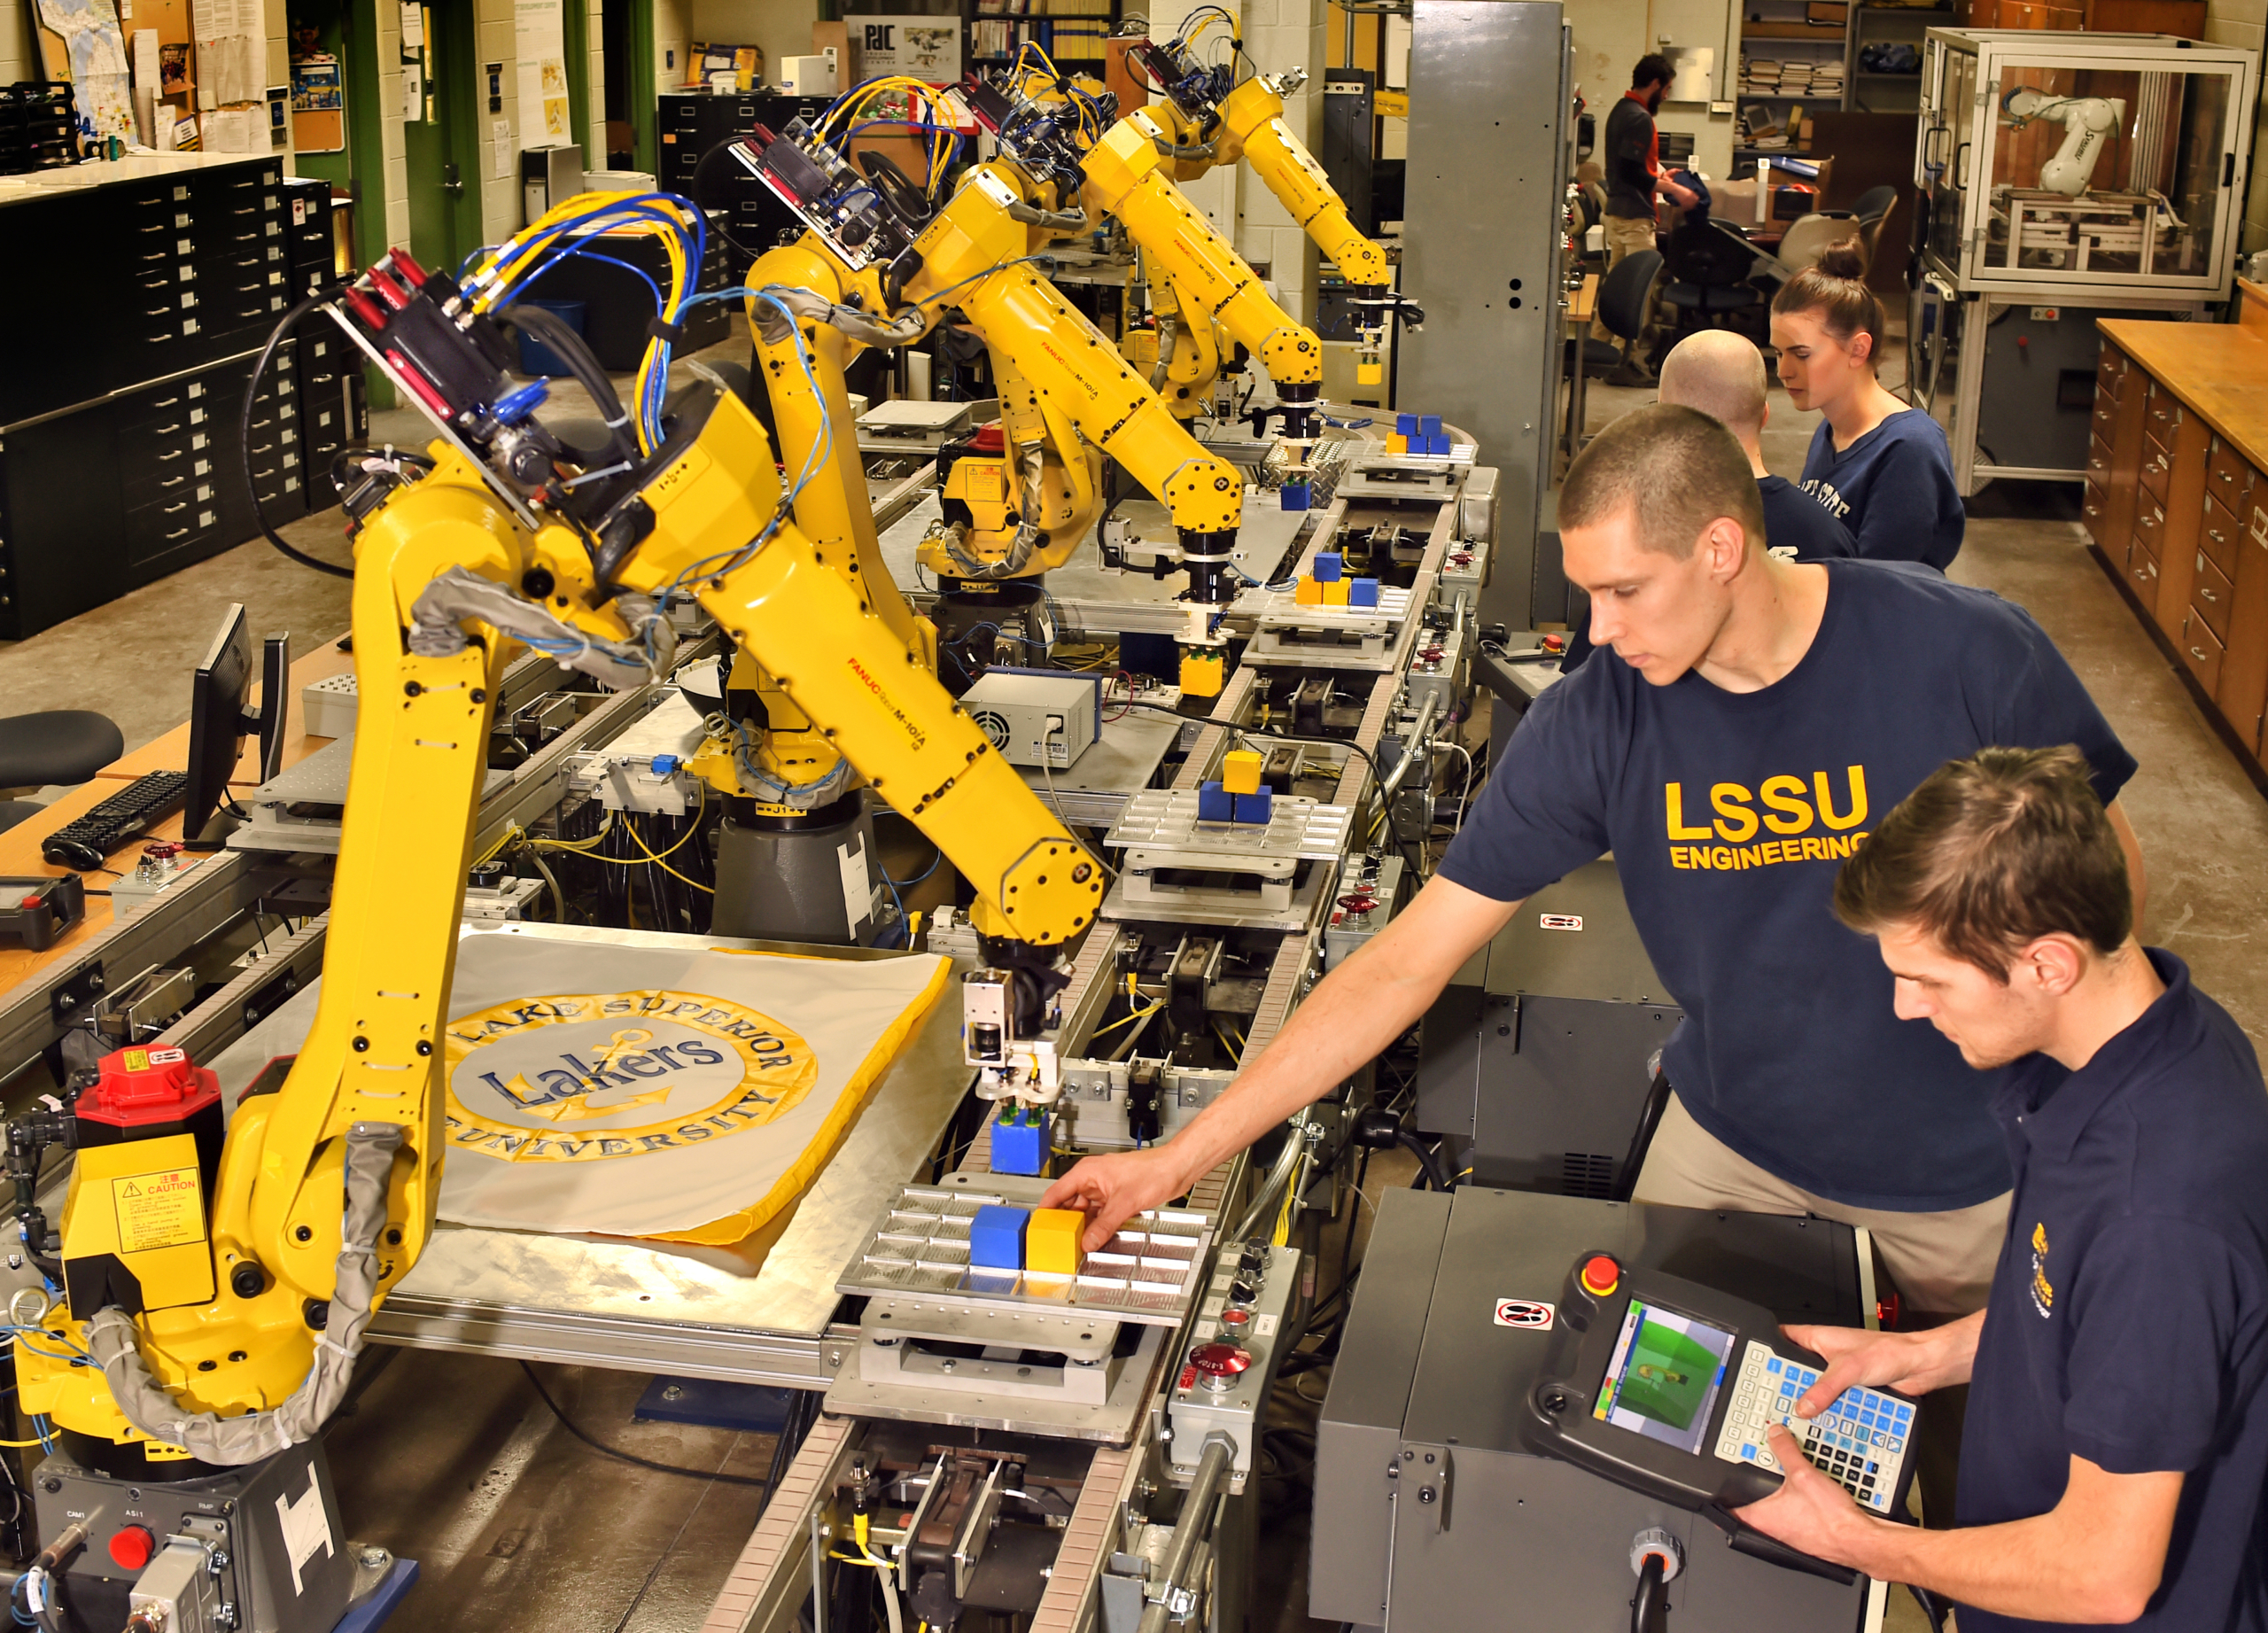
pixel 535 356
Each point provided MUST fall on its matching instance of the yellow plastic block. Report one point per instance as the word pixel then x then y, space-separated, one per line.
pixel 1334 594
pixel 1052 1241
pixel 1397 444
pixel 1308 593
pixel 1241 772
pixel 1370 374
pixel 1200 674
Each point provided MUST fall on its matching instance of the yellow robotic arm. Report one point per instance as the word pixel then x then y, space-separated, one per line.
pixel 223 1326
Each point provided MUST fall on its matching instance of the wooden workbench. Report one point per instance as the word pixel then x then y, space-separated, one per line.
pixel 2177 498
pixel 19 854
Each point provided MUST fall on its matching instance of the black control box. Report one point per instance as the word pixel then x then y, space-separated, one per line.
pixel 36 910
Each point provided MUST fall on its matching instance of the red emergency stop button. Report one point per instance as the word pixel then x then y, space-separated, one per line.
pixel 1601 1275
pixel 132 1545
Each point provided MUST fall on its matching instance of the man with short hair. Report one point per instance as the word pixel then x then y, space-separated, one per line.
pixel 1722 374
pixel 1754 723
pixel 1634 177
pixel 2115 1447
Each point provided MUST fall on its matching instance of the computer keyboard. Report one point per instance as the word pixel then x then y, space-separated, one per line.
pixel 85 842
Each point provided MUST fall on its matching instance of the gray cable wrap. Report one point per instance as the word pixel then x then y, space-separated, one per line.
pixel 113 1342
pixel 812 308
pixel 953 536
pixel 1032 215
pixel 796 796
pixel 436 628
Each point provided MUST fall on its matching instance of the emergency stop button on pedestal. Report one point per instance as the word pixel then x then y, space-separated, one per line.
pixel 131 1547
pixel 1601 1275
pixel 1219 1365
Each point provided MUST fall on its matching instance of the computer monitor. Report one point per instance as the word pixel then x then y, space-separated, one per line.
pixel 220 720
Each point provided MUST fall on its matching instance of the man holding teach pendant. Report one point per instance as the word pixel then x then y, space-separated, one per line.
pixel 2113 1457
pixel 1754 723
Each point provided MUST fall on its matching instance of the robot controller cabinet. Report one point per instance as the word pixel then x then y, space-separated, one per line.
pixel 1538 1058
pixel 1432 1509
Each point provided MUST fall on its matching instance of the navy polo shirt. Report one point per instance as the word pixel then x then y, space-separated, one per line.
pixel 1893 488
pixel 2128 1323
pixel 1728 815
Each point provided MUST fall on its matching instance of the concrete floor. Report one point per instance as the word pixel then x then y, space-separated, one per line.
pixel 453 1460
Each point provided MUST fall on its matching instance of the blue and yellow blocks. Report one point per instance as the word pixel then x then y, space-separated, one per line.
pixel 996 1238
pixel 1362 592
pixel 1020 1144
pixel 1218 804
pixel 1215 803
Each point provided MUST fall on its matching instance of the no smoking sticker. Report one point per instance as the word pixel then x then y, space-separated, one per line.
pixel 1532 1314
pixel 163 1210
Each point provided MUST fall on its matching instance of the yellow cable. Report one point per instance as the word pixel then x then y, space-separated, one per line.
pixel 17 1446
pixel 635 839
pixel 1140 1015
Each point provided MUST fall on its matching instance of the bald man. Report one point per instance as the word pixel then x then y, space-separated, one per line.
pixel 1722 374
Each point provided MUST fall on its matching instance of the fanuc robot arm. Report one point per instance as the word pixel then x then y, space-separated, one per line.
pixel 1055 138
pixel 1210 119
pixel 2087 121
pixel 888 265
pixel 224 1324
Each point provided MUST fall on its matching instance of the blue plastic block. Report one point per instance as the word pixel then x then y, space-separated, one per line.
pixel 996 1238
pixel 1430 423
pixel 1328 566
pixel 1362 592
pixel 1256 808
pixel 1295 495
pixel 1405 425
pixel 1214 803
pixel 1020 1142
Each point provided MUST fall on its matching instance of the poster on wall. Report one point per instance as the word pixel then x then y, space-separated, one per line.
pixel 81 41
pixel 922 47
pixel 539 35
pixel 318 105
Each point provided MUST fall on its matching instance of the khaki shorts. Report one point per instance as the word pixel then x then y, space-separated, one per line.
pixel 1942 1263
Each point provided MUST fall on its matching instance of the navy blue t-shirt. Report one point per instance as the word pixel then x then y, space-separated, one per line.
pixel 1727 813
pixel 1893 488
pixel 1797 529
pixel 2128 1323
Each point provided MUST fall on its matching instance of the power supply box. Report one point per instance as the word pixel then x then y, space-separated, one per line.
pixel 1013 707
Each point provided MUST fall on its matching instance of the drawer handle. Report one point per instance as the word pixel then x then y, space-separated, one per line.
pixel 2208 595
pixel 2200 656
pixel 2093 510
pixel 2214 534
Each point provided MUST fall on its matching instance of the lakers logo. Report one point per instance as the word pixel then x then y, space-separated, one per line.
pixel 586 1076
pixel 2043 1292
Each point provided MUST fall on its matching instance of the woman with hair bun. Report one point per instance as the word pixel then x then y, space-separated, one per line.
pixel 1881 469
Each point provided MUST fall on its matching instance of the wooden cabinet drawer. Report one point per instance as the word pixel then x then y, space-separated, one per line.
pixel 2142 575
pixel 2094 507
pixel 2212 594
pixel 2099 462
pixel 2150 523
pixel 2158 469
pixel 2111 374
pixel 2159 409
pixel 2228 475
pixel 2219 534
pixel 2201 649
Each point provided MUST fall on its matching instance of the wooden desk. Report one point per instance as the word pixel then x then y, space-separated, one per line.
pixel 2177 497
pixel 19 845
pixel 19 857
pixel 170 752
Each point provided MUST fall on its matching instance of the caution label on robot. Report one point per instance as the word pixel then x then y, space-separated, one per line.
pixel 163 1210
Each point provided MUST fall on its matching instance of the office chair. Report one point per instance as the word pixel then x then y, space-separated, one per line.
pixel 1625 295
pixel 1708 263
pixel 61 745
pixel 1874 210
pixel 1807 238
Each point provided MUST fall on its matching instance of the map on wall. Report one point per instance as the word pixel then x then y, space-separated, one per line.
pixel 540 36
pixel 93 52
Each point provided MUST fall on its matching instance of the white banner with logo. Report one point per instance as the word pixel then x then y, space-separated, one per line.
pixel 684 1093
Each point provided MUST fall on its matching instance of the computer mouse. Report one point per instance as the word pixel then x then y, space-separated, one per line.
pixel 72 853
